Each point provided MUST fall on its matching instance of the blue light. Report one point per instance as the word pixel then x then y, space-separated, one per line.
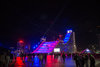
pixel 67 37
pixel 12 52
pixel 0 44
pixel 33 47
pixel 36 61
pixel 36 45
pixel 26 47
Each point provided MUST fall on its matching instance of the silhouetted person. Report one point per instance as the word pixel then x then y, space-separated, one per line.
pixel 45 57
pixel 82 60
pixel 7 59
pixel 3 59
pixel 63 56
pixel 86 60
pixel 77 60
pixel 92 61
pixel 41 58
pixel 11 57
pixel 33 55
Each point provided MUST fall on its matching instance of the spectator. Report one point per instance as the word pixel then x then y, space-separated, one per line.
pixel 41 58
pixel 77 60
pixel 7 60
pixel 92 61
pixel 63 56
pixel 86 60
pixel 45 57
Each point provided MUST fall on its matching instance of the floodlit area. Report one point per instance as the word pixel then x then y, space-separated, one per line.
pixel 49 61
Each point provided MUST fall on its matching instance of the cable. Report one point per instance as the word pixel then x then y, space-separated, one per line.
pixel 59 13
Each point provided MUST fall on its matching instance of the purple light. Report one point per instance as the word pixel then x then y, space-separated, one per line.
pixel 46 47
pixel 38 47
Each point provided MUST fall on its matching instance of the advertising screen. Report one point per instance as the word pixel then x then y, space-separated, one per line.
pixel 56 49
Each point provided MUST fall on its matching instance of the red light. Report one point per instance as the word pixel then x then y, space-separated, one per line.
pixel 20 41
pixel 57 38
pixel 18 61
pixel 60 36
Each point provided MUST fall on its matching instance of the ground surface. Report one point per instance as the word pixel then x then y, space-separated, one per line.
pixel 50 62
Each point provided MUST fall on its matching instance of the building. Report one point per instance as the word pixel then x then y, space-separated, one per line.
pixel 67 45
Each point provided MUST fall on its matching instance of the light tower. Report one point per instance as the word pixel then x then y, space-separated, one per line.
pixel 74 43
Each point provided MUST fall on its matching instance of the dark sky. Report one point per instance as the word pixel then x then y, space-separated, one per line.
pixel 29 20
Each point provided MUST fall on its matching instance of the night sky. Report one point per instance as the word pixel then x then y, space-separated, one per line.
pixel 29 20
